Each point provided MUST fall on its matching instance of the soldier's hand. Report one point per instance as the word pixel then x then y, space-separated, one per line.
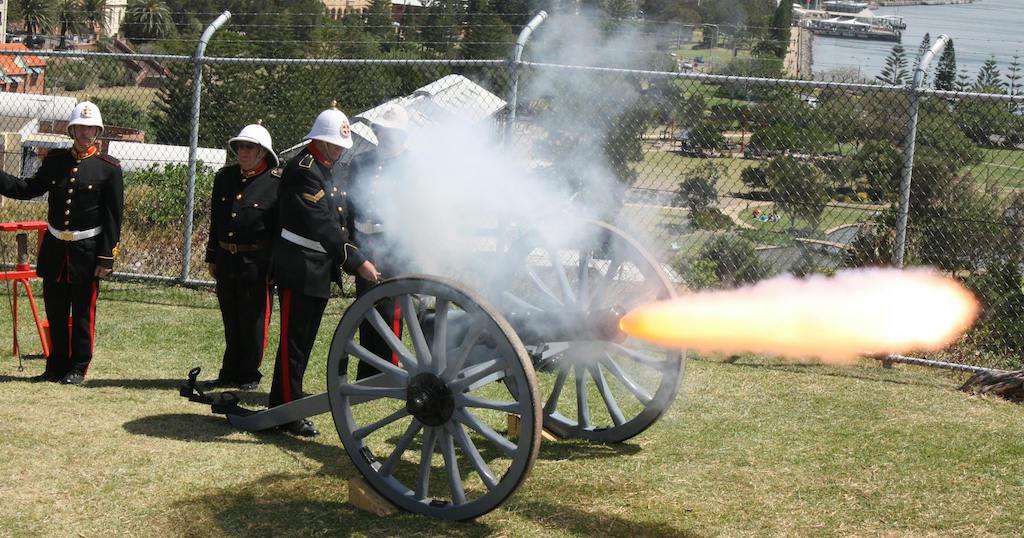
pixel 369 272
pixel 212 267
pixel 102 272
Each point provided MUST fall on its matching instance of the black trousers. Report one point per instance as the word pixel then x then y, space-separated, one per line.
pixel 72 342
pixel 369 338
pixel 300 321
pixel 245 310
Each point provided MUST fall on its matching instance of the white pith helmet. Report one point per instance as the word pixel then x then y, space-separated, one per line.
pixel 392 117
pixel 332 126
pixel 85 113
pixel 257 134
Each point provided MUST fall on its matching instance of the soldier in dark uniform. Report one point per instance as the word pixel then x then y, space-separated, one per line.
pixel 390 125
pixel 312 250
pixel 86 205
pixel 243 224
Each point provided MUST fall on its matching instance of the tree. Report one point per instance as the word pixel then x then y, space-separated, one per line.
pixel 618 9
pixel 989 80
pixel 698 189
pixel 487 35
pixel 895 71
pixel 378 20
pixel 782 21
pixel 798 188
pixel 442 25
pixel 731 261
pixel 147 19
pixel 1013 76
pixel 922 49
pixel 963 81
pixel 38 15
pixel 94 14
pixel 945 73
pixel 69 19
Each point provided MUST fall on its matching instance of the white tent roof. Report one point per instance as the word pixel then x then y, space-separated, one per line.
pixel 135 156
pixel 44 107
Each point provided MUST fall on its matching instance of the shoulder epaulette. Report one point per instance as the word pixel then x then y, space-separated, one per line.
pixel 110 159
pixel 277 171
pixel 306 162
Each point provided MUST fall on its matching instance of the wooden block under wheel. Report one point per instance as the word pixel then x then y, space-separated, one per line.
pixel 365 498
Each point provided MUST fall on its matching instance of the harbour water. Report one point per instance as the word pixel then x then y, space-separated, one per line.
pixel 979 30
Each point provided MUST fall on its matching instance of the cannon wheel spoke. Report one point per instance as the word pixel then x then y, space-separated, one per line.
pixel 582 403
pixel 437 419
pixel 451 464
pixel 403 444
pixel 606 394
pixel 605 269
pixel 475 459
pixel 426 459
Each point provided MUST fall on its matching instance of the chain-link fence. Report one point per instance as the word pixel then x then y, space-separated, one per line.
pixel 727 180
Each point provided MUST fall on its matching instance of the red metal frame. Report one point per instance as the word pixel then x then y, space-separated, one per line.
pixel 21 274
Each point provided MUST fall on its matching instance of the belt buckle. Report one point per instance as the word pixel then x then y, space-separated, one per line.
pixel 67 236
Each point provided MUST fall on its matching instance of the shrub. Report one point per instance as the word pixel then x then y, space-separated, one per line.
pixel 155 197
pixel 72 75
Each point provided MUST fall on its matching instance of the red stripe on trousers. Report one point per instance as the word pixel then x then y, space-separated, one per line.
pixel 266 327
pixel 92 320
pixel 396 326
pixel 286 382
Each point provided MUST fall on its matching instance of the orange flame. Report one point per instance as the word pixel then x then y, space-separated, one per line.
pixel 834 319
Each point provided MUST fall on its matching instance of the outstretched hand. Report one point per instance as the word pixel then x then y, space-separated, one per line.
pixel 369 272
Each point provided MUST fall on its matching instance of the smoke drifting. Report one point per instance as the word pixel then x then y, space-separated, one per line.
pixel 444 201
pixel 835 319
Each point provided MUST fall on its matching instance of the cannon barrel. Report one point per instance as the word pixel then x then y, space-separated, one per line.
pixel 537 327
pixel 542 326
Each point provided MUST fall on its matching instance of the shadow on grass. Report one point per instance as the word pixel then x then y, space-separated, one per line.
pixel 284 506
pixel 847 373
pixel 134 384
pixel 577 521
pixel 216 429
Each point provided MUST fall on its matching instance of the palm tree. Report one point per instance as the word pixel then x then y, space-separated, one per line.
pixel 36 14
pixel 148 19
pixel 94 13
pixel 69 17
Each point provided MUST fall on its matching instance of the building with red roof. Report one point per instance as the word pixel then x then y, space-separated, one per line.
pixel 23 73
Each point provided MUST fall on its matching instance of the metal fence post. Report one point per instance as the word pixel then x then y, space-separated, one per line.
pixel 908 149
pixel 514 62
pixel 197 87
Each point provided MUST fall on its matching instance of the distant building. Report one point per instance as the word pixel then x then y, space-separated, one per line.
pixel 21 74
pixel 114 12
pixel 3 19
pixel 339 8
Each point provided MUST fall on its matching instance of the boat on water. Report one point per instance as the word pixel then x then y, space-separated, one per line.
pixel 844 6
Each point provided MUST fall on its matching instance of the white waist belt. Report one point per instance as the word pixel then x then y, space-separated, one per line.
pixel 369 227
pixel 302 241
pixel 73 235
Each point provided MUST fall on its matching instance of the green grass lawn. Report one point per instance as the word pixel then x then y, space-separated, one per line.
pixel 1001 168
pixel 755 448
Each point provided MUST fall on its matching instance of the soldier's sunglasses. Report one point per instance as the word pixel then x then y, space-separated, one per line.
pixel 245 145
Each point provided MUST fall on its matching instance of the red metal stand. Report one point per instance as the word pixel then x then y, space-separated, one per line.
pixel 22 272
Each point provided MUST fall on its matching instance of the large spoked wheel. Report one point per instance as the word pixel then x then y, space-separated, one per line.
pixel 605 388
pixel 427 430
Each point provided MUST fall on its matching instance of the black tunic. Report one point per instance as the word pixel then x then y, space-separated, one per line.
pixel 83 194
pixel 243 218
pixel 311 204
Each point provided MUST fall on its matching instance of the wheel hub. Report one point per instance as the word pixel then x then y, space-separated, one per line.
pixel 429 399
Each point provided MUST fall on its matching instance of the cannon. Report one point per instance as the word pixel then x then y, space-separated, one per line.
pixel 429 432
